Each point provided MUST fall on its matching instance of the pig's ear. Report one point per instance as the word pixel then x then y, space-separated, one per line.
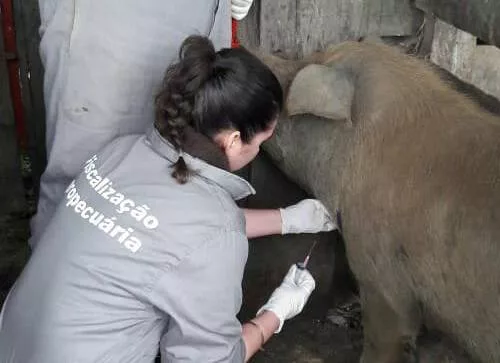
pixel 321 91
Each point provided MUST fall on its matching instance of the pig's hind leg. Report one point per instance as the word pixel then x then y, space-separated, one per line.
pixel 391 323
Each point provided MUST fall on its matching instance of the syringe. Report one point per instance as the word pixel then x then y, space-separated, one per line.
pixel 303 265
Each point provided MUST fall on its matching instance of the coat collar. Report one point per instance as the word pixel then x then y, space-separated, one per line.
pixel 237 187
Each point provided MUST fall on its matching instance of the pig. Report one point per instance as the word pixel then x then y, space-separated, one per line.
pixel 411 169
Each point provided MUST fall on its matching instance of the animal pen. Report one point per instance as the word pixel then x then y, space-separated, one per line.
pixel 460 37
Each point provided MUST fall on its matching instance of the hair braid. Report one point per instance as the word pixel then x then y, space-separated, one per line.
pixel 175 103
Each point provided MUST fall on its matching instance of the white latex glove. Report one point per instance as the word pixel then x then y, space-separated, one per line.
pixel 307 216
pixel 288 300
pixel 240 8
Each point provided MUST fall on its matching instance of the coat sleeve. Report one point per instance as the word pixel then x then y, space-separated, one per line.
pixel 221 31
pixel 201 297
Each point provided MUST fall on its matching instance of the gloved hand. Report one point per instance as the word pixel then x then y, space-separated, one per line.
pixel 307 216
pixel 240 8
pixel 288 300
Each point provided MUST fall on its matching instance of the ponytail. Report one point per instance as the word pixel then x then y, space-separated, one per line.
pixel 181 171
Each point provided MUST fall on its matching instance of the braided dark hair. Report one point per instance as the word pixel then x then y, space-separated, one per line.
pixel 175 102
pixel 212 91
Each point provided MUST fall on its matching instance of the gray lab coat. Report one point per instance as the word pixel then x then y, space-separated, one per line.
pixel 132 260
pixel 104 60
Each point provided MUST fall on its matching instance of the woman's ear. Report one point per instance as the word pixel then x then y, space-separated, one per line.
pixel 229 141
pixel 234 139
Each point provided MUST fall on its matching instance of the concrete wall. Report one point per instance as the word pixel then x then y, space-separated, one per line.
pixel 459 53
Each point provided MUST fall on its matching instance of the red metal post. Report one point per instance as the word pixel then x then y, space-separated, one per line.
pixel 10 50
pixel 235 43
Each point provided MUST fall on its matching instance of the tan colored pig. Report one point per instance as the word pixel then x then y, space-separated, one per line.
pixel 413 169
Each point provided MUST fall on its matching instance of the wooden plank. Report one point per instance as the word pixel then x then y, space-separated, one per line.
pixel 397 18
pixel 478 17
pixel 453 49
pixel 356 23
pixel 457 52
pixel 278 30
pixel 249 28
pixel 27 19
pixel 486 70
pixel 389 18
pixel 319 22
pixel 373 17
pixel 300 27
